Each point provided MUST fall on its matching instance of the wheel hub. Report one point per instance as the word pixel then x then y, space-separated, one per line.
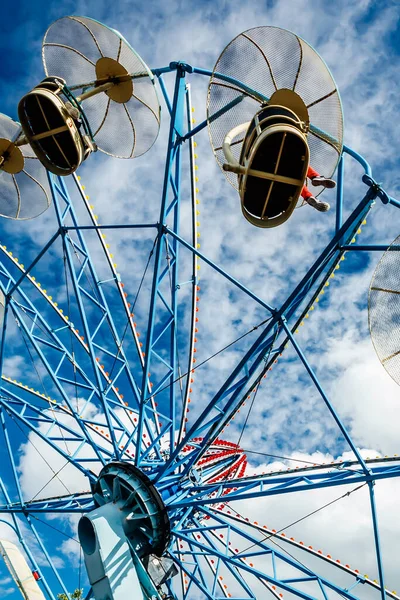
pixel 138 504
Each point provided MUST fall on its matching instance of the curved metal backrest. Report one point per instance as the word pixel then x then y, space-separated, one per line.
pixel 269 115
pixel 273 174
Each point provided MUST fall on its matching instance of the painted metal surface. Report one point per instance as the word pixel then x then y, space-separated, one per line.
pixel 178 456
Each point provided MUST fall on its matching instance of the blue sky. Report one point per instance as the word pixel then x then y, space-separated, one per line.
pixel 360 43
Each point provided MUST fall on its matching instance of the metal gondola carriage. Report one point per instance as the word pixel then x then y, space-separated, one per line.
pixel 62 120
pixel 283 116
pixel 274 159
pixel 53 126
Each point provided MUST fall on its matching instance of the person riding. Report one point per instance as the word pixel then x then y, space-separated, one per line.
pixel 317 180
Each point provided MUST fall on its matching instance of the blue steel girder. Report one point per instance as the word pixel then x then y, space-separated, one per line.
pixel 115 278
pixel 56 372
pixel 29 307
pixel 72 504
pixel 217 530
pixel 37 321
pixel 24 524
pixel 86 284
pixel 212 535
pixel 197 575
pixel 161 339
pixel 204 549
pixel 229 515
pixel 48 423
pixel 250 369
pixel 272 485
pixel 194 298
pixel 213 538
pixel 60 364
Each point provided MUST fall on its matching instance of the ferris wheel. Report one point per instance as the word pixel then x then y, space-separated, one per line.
pixel 107 447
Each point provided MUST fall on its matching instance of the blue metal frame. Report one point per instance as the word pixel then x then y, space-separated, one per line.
pixel 246 375
pixel 155 413
pixel 170 203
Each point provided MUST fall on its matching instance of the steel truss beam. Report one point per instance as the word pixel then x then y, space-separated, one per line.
pixel 250 369
pixel 161 355
pixel 266 485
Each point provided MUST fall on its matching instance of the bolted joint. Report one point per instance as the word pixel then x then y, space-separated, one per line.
pixel 376 189
pixel 182 67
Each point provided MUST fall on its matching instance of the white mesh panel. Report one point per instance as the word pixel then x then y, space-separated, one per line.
pixel 71 48
pixel 26 194
pixel 266 59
